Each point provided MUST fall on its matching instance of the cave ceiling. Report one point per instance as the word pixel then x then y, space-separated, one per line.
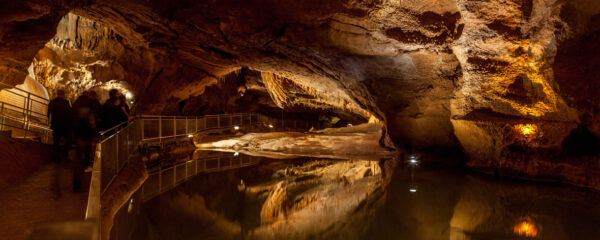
pixel 434 72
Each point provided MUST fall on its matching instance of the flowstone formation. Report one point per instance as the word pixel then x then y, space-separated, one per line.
pixel 511 84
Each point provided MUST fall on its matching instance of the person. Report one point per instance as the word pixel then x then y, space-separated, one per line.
pixel 96 107
pixel 60 112
pixel 84 125
pixel 96 110
pixel 113 112
pixel 124 108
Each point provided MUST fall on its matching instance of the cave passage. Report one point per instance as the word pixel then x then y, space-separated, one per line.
pixel 300 119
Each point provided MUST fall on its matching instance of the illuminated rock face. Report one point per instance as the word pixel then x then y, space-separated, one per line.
pixel 450 74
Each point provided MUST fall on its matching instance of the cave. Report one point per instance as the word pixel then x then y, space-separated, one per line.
pixel 261 119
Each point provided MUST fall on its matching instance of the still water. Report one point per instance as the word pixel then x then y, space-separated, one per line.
pixel 308 198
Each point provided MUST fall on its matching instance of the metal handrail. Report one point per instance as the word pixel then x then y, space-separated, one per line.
pixel 113 152
pixel 193 167
pixel 118 126
pixel 27 117
pixel 21 90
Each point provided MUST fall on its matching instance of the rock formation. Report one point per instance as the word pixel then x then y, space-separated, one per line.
pixel 444 76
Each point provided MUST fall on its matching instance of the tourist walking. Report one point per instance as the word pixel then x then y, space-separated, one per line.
pixel 60 113
pixel 113 111
pixel 84 124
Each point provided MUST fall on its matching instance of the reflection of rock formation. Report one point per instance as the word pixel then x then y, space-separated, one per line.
pixel 484 212
pixel 296 200
pixel 354 142
pixel 324 199
pixel 453 206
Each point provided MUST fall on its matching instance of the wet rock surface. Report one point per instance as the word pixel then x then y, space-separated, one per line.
pixel 432 71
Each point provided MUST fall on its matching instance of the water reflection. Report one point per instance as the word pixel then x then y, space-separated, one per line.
pixel 310 198
pixel 274 199
pixel 453 205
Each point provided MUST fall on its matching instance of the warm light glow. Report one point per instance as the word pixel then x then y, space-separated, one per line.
pixel 236 154
pixel 527 130
pixel 413 190
pixel 236 127
pixel 128 95
pixel 349 124
pixel 271 125
pixel 130 207
pixel 190 135
pixel 526 228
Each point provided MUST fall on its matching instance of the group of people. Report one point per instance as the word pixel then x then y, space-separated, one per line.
pixel 81 122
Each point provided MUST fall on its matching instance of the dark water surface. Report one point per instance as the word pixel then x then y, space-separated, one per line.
pixel 254 198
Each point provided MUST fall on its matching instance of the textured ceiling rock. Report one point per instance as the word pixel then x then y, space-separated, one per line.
pixel 24 29
pixel 434 71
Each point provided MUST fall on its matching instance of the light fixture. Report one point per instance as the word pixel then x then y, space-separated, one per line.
pixel 128 95
pixel 271 125
pixel 412 159
pixel 412 190
pixel 131 102
pixel 130 206
pixel 190 135
pixel 526 228
pixel 349 124
pixel 236 127
pixel 236 154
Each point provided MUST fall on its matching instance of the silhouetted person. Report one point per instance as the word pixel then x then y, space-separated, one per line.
pixel 113 111
pixel 60 113
pixel 84 129
pixel 125 108
pixel 96 107
pixel 97 111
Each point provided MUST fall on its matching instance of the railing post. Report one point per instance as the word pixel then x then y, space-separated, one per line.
pixel 143 128
pixel 117 151
pixel 159 181
pixel 2 114
pixel 174 127
pixel 129 128
pixel 160 128
pixel 186 167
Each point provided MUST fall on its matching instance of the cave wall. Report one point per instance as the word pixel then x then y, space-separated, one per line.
pixel 491 78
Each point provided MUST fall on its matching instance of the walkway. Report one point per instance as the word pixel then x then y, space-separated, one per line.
pixel 45 196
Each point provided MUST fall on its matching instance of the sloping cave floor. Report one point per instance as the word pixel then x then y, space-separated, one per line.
pixel 44 196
